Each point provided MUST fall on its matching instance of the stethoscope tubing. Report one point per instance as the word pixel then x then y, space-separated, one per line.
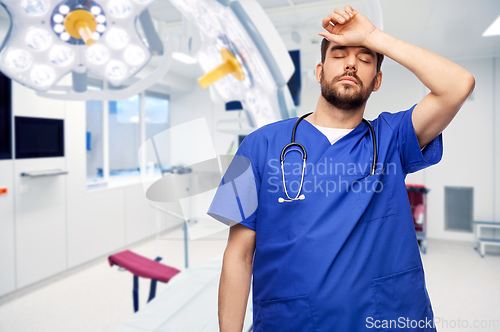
pixel 303 151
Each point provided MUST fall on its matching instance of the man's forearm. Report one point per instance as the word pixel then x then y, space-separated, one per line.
pixel 440 75
pixel 234 288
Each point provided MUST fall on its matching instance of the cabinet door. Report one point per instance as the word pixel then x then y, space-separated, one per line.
pixel 40 209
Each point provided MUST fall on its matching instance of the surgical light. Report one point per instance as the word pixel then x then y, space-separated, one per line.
pixel 35 7
pixel 65 36
pixel 100 28
pixel 64 9
pixel 120 8
pixel 73 36
pixel 61 55
pixel 239 39
pixel 134 55
pixel 95 10
pixel 101 19
pixel 58 18
pixel 98 54
pixel 18 60
pixel 116 70
pixel 58 28
pixel 117 38
pixel 43 75
pixel 38 39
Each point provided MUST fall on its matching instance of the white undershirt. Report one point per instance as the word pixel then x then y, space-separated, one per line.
pixel 333 134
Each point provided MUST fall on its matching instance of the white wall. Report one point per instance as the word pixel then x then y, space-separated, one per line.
pixel 468 154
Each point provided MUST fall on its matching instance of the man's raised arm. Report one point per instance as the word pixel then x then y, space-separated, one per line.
pixel 449 83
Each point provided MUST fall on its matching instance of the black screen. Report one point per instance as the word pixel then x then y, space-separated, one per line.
pixel 241 138
pixel 295 83
pixel 234 106
pixel 5 118
pixel 39 138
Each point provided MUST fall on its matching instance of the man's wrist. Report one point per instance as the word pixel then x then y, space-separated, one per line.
pixel 374 40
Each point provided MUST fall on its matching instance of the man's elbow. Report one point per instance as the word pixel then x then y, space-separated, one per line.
pixel 472 82
pixel 461 90
pixel 469 83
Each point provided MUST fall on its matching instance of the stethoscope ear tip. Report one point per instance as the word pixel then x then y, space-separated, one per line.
pixel 301 197
pixel 281 199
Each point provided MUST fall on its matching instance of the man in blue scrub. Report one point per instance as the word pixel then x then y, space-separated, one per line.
pixel 344 258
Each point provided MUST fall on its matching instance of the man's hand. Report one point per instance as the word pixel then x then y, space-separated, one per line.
pixel 449 83
pixel 350 27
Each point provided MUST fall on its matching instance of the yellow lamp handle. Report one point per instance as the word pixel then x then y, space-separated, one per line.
pixel 80 24
pixel 85 32
pixel 229 66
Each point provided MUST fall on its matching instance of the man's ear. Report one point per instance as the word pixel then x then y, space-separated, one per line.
pixel 378 81
pixel 319 67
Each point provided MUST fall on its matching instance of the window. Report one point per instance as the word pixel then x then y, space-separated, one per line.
pixel 116 130
pixel 94 136
pixel 157 113
pixel 124 136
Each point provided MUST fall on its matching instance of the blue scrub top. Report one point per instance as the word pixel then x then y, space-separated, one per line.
pixel 345 258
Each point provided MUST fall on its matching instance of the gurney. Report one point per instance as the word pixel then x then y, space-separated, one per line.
pixel 189 302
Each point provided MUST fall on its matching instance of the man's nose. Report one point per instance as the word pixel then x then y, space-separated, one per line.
pixel 351 65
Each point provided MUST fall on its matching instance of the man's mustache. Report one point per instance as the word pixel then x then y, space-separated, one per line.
pixel 350 74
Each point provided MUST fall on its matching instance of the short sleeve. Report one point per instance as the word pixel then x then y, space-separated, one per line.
pixel 413 158
pixel 236 198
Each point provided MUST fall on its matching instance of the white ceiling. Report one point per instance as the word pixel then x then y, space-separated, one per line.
pixel 451 28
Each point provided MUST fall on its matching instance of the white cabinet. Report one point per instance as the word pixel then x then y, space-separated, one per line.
pixel 40 210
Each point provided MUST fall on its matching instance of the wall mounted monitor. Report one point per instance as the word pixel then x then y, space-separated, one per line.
pixel 39 137
pixel 5 118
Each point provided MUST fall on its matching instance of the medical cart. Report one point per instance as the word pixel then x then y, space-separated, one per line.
pixel 479 241
pixel 417 194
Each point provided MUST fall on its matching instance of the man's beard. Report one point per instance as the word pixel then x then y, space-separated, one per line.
pixel 345 101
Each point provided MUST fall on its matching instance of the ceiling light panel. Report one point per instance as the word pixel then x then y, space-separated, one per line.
pixel 493 29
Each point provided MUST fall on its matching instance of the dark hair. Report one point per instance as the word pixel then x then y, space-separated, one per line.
pixel 325 43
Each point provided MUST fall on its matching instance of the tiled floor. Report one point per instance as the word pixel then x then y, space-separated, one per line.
pixel 463 287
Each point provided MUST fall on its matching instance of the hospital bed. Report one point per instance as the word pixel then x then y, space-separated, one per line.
pixel 189 302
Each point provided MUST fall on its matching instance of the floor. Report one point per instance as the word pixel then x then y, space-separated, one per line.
pixel 464 289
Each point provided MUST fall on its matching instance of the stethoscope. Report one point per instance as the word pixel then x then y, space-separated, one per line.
pixel 304 158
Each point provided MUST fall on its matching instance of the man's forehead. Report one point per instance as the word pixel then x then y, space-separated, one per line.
pixel 363 49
